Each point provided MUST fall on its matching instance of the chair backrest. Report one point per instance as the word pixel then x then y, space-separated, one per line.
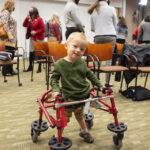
pixel 119 47
pixel 57 50
pixel 2 45
pixel 40 46
pixel 102 51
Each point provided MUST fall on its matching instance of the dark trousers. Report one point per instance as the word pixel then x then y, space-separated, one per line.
pixel 9 68
pixel 121 41
pixel 71 30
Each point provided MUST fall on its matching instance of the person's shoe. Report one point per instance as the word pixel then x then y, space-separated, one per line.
pixel 39 70
pixel 87 137
pixel 29 69
pixel 109 85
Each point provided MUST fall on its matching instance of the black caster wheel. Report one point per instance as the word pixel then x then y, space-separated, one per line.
pixel 20 84
pixel 89 120
pixel 34 135
pixel 117 139
pixel 5 81
pixel 120 91
pixel 64 145
pixel 89 124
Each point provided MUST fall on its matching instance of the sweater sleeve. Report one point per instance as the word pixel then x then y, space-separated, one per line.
pixel 92 24
pixel 55 79
pixel 76 19
pixel 5 18
pixel 114 18
pixel 140 34
pixel 25 22
pixel 57 31
pixel 41 26
pixel 91 77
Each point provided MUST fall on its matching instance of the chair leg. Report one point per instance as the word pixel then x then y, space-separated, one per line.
pixel 146 79
pixel 5 80
pixel 32 71
pixel 24 68
pixel 136 78
pixel 122 76
pixel 19 83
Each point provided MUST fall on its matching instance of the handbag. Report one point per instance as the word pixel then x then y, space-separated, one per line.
pixel 3 33
pixel 5 56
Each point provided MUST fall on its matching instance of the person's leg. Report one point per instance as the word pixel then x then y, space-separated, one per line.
pixel 83 128
pixel 39 68
pixel 31 56
pixel 8 70
pixel 39 57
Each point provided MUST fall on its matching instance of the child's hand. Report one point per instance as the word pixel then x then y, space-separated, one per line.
pixel 102 88
pixel 54 94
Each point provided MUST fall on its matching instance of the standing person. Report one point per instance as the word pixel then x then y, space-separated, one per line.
pixel 135 35
pixel 10 26
pixel 144 33
pixel 73 71
pixel 35 32
pixel 55 29
pixel 72 21
pixel 103 24
pixel 122 30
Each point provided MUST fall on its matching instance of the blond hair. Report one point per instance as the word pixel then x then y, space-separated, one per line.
pixel 54 18
pixel 77 36
pixel 9 5
pixel 94 6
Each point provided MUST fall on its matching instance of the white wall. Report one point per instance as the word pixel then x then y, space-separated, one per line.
pixel 46 8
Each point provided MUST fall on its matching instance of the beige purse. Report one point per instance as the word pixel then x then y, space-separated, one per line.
pixel 3 33
pixel 52 39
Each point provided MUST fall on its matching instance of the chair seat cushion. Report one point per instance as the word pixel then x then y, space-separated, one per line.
pixel 111 68
pixel 7 63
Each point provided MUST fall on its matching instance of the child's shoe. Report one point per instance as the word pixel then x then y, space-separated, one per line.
pixel 87 137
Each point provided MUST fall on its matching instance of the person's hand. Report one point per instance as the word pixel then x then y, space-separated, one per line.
pixel 28 16
pixel 102 88
pixel 134 42
pixel 33 32
pixel 10 37
pixel 54 94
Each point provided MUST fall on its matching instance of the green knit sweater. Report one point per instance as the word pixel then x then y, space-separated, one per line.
pixel 73 79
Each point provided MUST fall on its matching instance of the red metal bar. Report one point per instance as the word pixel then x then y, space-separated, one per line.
pixel 43 97
pixel 114 111
pixel 49 118
pixel 58 118
pixel 100 100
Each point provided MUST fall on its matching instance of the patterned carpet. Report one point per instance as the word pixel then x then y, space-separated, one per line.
pixel 19 108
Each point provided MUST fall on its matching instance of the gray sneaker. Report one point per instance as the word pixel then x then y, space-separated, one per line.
pixel 87 137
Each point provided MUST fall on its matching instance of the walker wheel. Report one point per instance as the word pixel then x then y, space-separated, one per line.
pixel 117 139
pixel 117 129
pixel 89 120
pixel 34 135
pixel 39 126
pixel 56 145
pixel 89 124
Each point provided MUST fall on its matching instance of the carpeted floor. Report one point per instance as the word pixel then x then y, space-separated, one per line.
pixel 18 108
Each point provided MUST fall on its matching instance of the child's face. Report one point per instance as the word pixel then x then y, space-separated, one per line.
pixel 76 48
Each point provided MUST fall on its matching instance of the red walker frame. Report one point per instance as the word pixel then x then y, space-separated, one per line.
pixel 60 122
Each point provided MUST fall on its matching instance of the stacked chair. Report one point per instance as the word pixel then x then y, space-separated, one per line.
pixel 11 62
pixel 101 53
